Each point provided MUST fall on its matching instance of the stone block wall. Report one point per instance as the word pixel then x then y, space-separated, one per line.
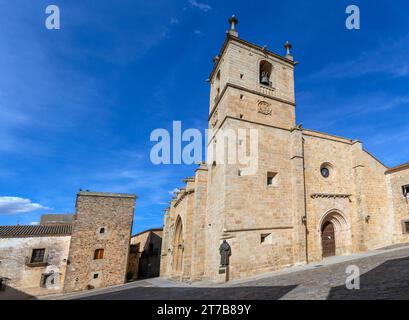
pixel 199 223
pixel 398 204
pixel 15 252
pixel 180 211
pixel 97 212
pixel 272 226
pixel 145 263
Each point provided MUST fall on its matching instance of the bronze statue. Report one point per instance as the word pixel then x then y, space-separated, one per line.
pixel 225 252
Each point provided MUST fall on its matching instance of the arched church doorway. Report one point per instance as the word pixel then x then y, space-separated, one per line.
pixel 178 247
pixel 335 234
pixel 328 239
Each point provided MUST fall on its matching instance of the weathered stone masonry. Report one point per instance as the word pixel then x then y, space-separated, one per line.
pixel 69 252
pixel 103 221
pixel 313 195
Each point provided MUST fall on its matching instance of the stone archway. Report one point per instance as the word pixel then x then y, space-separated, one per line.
pixel 335 234
pixel 178 247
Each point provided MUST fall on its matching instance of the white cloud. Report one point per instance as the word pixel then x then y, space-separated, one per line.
pixel 202 6
pixel 33 223
pixel 172 192
pixel 197 32
pixel 15 205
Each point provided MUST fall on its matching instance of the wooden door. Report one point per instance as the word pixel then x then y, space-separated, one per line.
pixel 328 240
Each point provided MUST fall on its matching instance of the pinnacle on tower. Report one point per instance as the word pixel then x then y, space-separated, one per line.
pixel 233 22
pixel 287 47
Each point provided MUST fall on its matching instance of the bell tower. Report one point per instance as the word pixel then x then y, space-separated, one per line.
pixel 258 205
pixel 251 83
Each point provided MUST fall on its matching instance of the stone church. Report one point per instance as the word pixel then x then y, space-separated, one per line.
pixel 314 195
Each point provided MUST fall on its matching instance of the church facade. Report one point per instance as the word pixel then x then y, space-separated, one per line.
pixel 313 195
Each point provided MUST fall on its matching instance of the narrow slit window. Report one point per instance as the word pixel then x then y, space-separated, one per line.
pixel 405 190
pixel 271 178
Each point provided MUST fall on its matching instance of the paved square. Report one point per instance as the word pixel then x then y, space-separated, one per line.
pixel 384 275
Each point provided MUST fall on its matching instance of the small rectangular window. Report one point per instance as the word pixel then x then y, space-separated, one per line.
pixel 98 254
pixel 405 190
pixel 406 226
pixel 95 276
pixel 37 256
pixel 271 178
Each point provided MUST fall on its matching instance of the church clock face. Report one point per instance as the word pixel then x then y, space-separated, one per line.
pixel 325 172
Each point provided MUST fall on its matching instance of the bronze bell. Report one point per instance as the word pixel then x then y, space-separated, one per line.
pixel 265 79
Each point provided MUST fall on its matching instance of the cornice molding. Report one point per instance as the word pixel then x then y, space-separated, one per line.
pixel 184 194
pixel 331 196
pixel 235 86
pixel 401 167
pixel 230 37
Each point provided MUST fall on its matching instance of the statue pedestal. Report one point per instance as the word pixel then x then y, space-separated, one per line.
pixel 223 274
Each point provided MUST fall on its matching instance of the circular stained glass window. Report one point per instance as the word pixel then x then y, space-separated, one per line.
pixel 325 172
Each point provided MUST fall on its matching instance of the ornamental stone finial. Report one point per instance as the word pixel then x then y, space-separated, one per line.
pixel 287 47
pixel 233 22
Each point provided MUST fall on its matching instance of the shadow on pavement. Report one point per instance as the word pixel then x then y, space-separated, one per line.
pixel 231 293
pixel 10 293
pixel 389 281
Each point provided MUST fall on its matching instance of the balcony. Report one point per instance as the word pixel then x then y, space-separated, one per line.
pixel 267 90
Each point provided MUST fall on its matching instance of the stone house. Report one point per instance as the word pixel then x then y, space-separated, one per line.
pixel 67 253
pixel 144 254
pixel 313 195
pixel 33 259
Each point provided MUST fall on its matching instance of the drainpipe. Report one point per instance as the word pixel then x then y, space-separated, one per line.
pixel 305 220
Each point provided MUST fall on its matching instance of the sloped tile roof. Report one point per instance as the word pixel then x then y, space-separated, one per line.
pixel 35 231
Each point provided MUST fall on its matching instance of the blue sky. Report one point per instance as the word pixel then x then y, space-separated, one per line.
pixel 77 105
